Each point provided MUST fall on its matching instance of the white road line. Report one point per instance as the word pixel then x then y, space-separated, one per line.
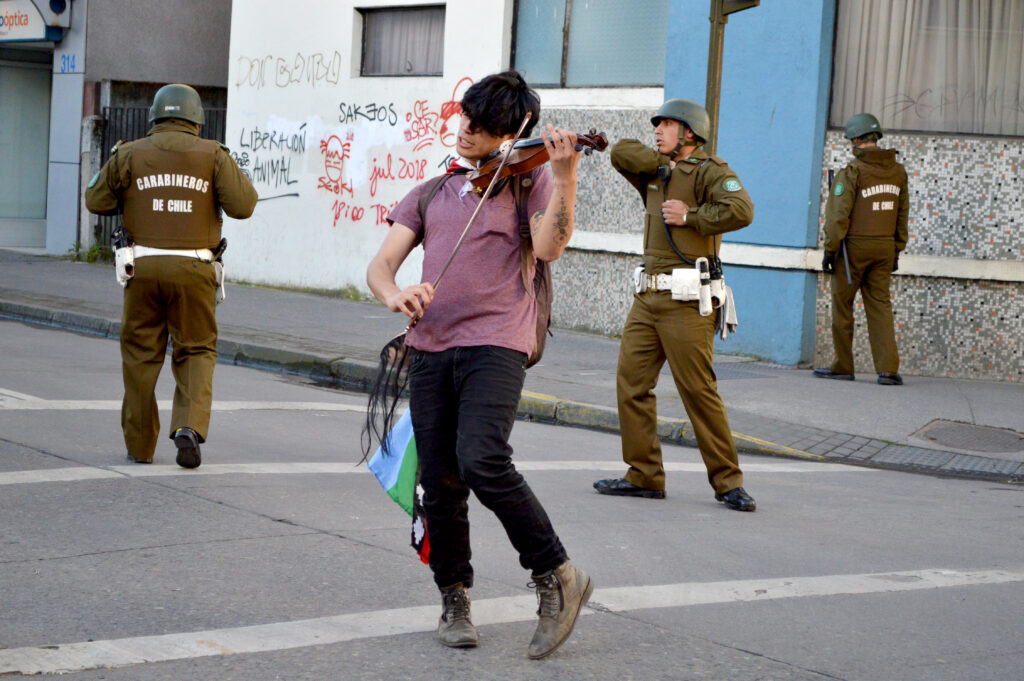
pixel 73 657
pixel 136 471
pixel 56 475
pixel 36 404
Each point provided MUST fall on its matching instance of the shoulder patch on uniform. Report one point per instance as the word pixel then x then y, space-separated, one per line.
pixel 225 148
pixel 732 185
pixel 838 189
pixel 113 149
pixel 94 180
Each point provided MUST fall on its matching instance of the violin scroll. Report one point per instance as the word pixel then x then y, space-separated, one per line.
pixel 594 140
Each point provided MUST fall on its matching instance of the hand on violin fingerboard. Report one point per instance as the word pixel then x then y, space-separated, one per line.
pixel 562 154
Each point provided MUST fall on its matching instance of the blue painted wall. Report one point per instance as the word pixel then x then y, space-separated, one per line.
pixel 769 307
pixel 775 95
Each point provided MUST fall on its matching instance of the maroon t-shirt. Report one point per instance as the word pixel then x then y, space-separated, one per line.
pixel 481 299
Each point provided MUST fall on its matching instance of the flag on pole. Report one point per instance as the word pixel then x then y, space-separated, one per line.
pixel 396 472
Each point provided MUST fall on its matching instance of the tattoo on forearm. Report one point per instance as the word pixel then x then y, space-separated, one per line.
pixel 562 223
pixel 536 221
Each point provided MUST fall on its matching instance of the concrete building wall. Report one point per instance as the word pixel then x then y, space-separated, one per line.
pixel 331 152
pixel 185 41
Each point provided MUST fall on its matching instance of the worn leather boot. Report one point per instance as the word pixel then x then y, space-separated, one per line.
pixel 455 629
pixel 561 594
pixel 187 442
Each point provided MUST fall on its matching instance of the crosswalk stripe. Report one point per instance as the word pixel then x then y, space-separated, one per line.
pixel 165 405
pixel 77 473
pixel 73 657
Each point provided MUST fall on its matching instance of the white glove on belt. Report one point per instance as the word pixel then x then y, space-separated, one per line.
pixel 124 264
pixel 222 293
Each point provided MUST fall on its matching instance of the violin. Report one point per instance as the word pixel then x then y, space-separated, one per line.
pixel 529 154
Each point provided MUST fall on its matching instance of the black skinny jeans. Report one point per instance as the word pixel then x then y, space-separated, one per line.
pixel 463 403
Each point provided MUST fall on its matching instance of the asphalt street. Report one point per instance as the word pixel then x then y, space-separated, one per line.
pixel 280 558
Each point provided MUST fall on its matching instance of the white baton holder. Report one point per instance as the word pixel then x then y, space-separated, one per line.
pixel 718 293
pixel 124 264
pixel 704 295
pixel 639 280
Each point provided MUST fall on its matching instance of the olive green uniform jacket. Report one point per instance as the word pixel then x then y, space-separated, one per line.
pixel 170 187
pixel 867 214
pixel 659 329
pixel 717 200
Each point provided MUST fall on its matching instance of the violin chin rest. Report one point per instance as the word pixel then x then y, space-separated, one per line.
pixel 505 146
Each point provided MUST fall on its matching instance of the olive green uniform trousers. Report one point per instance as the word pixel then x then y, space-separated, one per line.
pixel 870 273
pixel 175 297
pixel 658 329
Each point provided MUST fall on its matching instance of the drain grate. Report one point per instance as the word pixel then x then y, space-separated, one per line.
pixel 972 438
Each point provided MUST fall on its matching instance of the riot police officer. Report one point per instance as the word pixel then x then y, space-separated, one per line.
pixel 171 187
pixel 691 198
pixel 865 222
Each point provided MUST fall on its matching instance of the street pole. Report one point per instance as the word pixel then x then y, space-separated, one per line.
pixel 720 11
pixel 716 43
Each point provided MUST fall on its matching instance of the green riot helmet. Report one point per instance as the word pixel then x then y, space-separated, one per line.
pixel 177 101
pixel 861 124
pixel 685 111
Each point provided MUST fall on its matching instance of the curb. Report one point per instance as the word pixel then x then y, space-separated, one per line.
pixel 359 375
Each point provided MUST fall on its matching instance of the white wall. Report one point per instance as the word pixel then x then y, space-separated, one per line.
pixel 293 76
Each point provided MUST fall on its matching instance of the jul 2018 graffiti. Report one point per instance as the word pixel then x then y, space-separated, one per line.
pixel 265 153
pixel 425 125
pixel 391 169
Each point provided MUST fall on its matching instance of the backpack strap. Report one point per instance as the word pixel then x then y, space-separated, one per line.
pixel 430 190
pixel 521 185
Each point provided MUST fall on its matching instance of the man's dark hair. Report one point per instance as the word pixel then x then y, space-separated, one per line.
pixel 499 102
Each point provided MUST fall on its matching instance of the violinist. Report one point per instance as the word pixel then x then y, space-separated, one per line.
pixel 691 198
pixel 469 352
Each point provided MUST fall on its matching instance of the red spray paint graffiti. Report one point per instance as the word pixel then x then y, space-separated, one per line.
pixel 335 153
pixel 450 111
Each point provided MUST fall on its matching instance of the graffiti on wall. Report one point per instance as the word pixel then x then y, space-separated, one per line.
pixel 371 112
pixel 266 155
pixel 360 168
pixel 315 69
pixel 335 153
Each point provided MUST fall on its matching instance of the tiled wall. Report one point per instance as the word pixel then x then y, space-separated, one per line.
pixel 593 291
pixel 966 201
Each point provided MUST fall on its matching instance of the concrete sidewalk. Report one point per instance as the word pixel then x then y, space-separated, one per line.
pixel 935 425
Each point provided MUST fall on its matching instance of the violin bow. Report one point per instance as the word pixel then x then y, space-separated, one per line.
pixel 483 198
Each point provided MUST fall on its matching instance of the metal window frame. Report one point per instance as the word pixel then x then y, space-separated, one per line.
pixel 363 11
pixel 563 80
